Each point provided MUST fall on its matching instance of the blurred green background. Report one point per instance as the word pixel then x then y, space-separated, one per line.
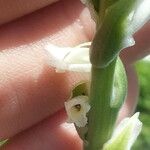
pixel 143 71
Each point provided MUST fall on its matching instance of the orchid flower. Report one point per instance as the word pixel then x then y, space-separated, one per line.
pixel 125 134
pixel 70 58
pixel 77 109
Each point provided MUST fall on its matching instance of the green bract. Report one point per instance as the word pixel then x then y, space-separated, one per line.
pixel 121 20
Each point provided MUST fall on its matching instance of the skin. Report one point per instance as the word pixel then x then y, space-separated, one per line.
pixel 32 95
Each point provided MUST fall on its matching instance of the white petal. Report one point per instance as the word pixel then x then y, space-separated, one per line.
pixel 57 52
pixel 137 18
pixel 125 134
pixel 133 121
pixel 128 41
pixel 77 115
pixel 79 67
pixel 71 59
pixel 84 45
pixel 77 56
pixel 56 55
pixel 141 15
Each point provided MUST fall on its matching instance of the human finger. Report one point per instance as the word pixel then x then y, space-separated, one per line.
pixel 49 134
pixel 29 89
pixel 10 10
pixel 76 30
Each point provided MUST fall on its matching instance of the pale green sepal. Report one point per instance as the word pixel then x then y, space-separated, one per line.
pixel 81 89
pixel 119 86
pixel 125 134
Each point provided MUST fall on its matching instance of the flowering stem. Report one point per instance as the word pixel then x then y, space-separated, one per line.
pixel 100 121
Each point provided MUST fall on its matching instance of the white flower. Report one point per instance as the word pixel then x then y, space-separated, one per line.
pixel 137 18
pixel 125 134
pixel 69 59
pixel 77 109
pixel 141 15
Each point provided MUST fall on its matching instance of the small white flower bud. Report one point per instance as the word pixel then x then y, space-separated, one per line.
pixel 77 109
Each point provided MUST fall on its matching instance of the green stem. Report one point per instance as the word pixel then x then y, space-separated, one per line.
pixel 100 116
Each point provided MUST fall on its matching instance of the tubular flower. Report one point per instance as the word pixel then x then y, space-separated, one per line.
pixel 69 59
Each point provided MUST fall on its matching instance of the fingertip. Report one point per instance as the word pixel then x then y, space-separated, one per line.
pixel 49 134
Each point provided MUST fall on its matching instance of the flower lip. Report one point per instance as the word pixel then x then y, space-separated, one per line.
pixel 76 109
